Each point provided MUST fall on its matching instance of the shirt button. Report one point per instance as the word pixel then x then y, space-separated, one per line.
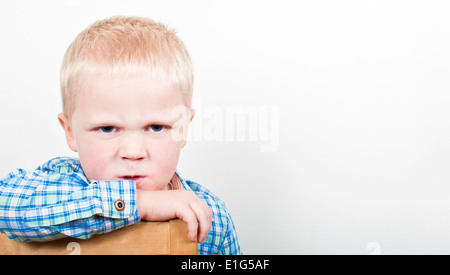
pixel 119 205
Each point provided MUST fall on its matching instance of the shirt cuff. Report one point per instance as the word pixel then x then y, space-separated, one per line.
pixel 109 199
pixel 118 199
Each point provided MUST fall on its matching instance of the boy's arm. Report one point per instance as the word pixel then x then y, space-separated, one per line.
pixel 42 206
pixel 222 239
pixel 230 245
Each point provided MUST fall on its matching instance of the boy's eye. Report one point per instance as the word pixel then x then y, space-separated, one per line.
pixel 156 128
pixel 107 129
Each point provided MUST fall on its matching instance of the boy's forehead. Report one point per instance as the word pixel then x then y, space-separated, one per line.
pixel 145 81
pixel 108 96
pixel 128 88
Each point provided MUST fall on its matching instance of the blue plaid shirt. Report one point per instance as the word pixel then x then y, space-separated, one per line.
pixel 56 200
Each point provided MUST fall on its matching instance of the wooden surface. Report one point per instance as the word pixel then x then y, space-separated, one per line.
pixel 144 238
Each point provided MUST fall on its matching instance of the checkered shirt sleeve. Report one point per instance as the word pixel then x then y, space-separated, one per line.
pixel 56 200
pixel 222 238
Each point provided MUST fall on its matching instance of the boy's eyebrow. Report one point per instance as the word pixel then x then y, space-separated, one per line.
pixel 146 122
pixel 161 119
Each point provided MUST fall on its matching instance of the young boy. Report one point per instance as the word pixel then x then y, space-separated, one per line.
pixel 126 85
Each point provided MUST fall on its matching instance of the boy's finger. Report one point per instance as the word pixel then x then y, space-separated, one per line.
pixel 204 217
pixel 191 220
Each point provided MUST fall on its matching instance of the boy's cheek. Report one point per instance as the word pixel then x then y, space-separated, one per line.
pixel 93 169
pixel 94 160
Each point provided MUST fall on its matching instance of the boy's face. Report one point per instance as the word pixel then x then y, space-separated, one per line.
pixel 123 129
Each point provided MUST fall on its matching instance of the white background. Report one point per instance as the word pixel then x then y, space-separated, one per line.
pixel 362 89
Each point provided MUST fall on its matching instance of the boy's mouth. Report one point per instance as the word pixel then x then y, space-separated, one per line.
pixel 137 179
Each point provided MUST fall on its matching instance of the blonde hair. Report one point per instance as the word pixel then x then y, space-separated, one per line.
pixel 125 45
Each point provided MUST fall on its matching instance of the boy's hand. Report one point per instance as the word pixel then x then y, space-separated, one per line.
pixel 169 204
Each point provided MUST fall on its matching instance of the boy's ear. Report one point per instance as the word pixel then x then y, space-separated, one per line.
pixel 64 121
pixel 192 115
pixel 190 120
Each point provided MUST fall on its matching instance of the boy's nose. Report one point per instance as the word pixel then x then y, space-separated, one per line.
pixel 132 147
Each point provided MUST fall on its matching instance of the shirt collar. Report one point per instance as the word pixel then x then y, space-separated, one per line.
pixel 181 182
